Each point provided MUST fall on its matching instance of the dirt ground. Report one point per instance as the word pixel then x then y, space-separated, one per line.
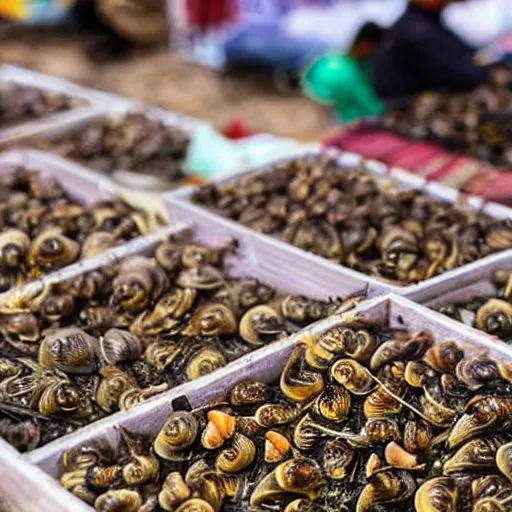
pixel 160 77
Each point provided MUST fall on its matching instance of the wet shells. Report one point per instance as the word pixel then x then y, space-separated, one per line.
pixel 404 350
pixel 103 477
pixel 296 382
pixel 168 256
pixel 205 362
pixel 380 430
pixel 204 277
pixel 495 316
pixel 499 236
pixel 143 469
pixel 444 356
pixel 476 455
pixel 161 354
pixel 306 434
pixel 178 433
pixel 380 404
pixel 70 350
pixel 118 345
pixel 96 243
pixel 437 495
pixel 418 373
pixel 135 396
pixel 195 505
pixel 336 459
pixel 483 414
pixel 333 404
pixel 113 384
pixel 437 412
pixel 417 436
pixel 273 415
pixel 489 485
pixel 212 320
pixel 51 250
pixel 277 447
pixel 20 326
pixel 301 505
pixel 248 392
pixel 118 500
pixel 296 476
pixel 260 325
pixel 238 456
pixel 57 307
pixel 386 486
pixel 353 376
pixel 14 247
pixel 475 373
pixel 360 346
pixel 61 398
pixel 504 460
pixel 174 491
pixel 295 308
pixel 221 426
pixel 193 255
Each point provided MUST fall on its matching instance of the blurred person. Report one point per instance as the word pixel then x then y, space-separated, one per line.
pixel 419 53
pixel 346 81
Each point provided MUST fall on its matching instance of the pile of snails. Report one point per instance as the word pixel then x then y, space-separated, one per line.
pixel 104 341
pixel 357 220
pixel 20 103
pixel 492 314
pixel 134 142
pixel 362 419
pixel 476 123
pixel 42 228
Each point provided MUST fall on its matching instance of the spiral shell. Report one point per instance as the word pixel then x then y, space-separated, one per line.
pixel 57 307
pixel 122 500
pixel 296 476
pixel 437 495
pixel 353 376
pixel 476 372
pixel 51 250
pixel 195 505
pixel 260 325
pixel 417 436
pixel 213 319
pixel 381 404
pixel 174 491
pixel 248 392
pixel 273 415
pixel 205 362
pixel 334 403
pixel 410 349
pixel 14 246
pixel 103 477
pixel 504 460
pixel 220 427
pixel 113 384
pixel 238 456
pixel 298 383
pixel 70 350
pixel 336 458
pixel 60 397
pixel 98 242
pixel 437 412
pixel 361 345
pixel 495 316
pixel 143 469
pixel 204 277
pixel 178 433
pixel 444 356
pixel 119 345
pixel 380 430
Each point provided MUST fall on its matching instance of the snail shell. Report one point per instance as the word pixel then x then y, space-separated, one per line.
pixel 98 242
pixel 504 460
pixel 404 350
pixel 204 277
pixel 260 325
pixel 476 455
pixel 301 505
pixel 57 307
pixel 174 491
pixel 195 505
pixel 14 247
pixel 360 346
pixel 475 373
pixel 296 476
pixel 248 392
pixel 272 415
pixel 51 250
pixel 238 456
pixel 353 376
pixel 178 433
pixel 70 350
pixel 444 356
pixel 298 383
pixel 119 345
pixel 499 236
pixel 334 403
pixel 437 412
pixel 380 430
pixel 437 495
pixel 380 404
pixel 118 500
pixel 205 362
pixel 417 436
pixel 143 469
pixel 495 316
pixel 212 320
pixel 113 384
pixel 103 477
pixel 336 458
pixel 59 397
